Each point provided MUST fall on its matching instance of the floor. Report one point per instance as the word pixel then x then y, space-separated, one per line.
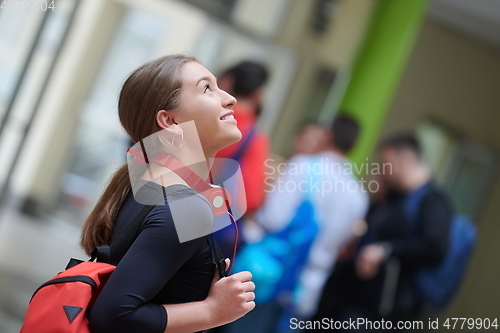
pixel 32 250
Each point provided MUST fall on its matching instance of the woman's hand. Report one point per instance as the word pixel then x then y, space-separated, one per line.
pixel 230 297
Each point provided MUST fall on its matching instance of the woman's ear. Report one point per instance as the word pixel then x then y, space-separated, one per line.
pixel 165 119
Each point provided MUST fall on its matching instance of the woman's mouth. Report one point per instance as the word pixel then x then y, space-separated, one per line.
pixel 226 117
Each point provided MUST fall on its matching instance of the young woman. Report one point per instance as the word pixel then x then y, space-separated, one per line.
pixel 163 284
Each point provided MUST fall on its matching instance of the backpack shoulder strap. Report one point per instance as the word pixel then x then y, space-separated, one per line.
pixel 124 240
pixel 221 265
pixel 244 145
pixel 413 202
pixel 119 246
pixel 218 256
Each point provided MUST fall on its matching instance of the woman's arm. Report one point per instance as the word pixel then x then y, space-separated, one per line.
pixel 229 299
pixel 124 304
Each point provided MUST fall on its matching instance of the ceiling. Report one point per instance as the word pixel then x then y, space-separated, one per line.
pixel 478 18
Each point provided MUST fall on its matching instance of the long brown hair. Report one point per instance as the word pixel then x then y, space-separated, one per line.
pixel 152 87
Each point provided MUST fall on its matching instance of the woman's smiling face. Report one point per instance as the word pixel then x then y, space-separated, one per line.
pixel 201 100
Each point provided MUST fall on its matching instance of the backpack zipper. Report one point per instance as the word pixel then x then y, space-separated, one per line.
pixel 76 278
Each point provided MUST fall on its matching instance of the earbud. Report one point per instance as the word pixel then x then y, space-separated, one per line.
pixel 219 199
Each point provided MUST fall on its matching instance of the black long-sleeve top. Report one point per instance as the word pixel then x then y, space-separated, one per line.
pixel 416 244
pixel 428 243
pixel 158 268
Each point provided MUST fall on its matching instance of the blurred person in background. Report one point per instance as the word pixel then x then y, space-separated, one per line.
pixel 161 284
pixel 335 212
pixel 357 288
pixel 377 206
pixel 246 81
pixel 311 139
pixel 339 211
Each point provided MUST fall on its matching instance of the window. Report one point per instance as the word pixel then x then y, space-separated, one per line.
pixel 462 167
pixel 101 142
pixel 219 8
pixel 31 42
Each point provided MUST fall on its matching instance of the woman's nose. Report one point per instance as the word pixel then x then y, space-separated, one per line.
pixel 228 100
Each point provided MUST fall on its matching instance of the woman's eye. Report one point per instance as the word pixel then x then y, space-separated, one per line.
pixel 207 87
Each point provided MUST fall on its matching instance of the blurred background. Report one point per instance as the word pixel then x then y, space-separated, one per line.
pixel 428 66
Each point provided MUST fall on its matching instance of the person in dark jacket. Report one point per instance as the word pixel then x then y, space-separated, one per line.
pixel 378 282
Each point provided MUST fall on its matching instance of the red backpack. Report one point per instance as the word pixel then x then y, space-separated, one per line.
pixel 61 304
